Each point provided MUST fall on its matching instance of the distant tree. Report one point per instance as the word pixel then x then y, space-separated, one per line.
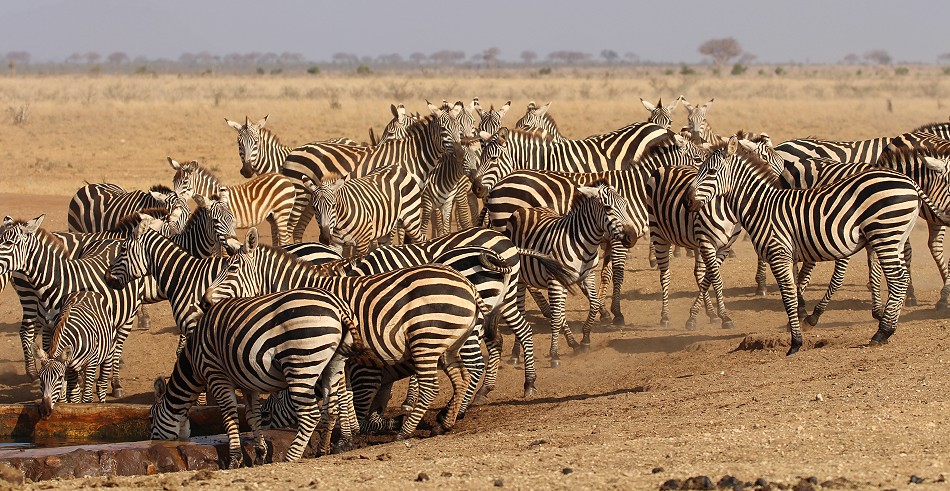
pixel 288 58
pixel 345 58
pixel 18 57
pixel 568 57
pixel 631 57
pixel 943 58
pixel 878 56
pixel 528 56
pixel 851 59
pixel 721 50
pixel 92 57
pixel 117 58
pixel 75 58
pixel 390 59
pixel 609 55
pixel 418 57
pixel 490 56
pixel 447 57
pixel 747 58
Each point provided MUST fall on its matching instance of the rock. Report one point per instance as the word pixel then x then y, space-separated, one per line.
pixel 671 484
pixel 567 470
pixel 806 485
pixel 167 458
pixel 130 462
pixel 199 457
pixel 446 474
pixel 383 457
pixel 499 483
pixel 728 481
pixel 202 475
pixel 699 482
pixel 656 470
pixel 819 398
pixel 916 480
pixel 422 477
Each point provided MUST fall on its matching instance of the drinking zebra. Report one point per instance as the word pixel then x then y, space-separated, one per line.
pixel 268 197
pixel 82 344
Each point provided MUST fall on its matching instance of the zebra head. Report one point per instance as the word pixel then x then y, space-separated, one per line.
pixel 15 241
pixel 611 211
pixel 52 375
pixel 450 130
pixel 660 114
pixel 249 144
pixel 396 129
pixel 495 162
pixel 184 180
pixel 490 121
pixel 223 222
pixel 761 146
pixel 168 420
pixel 323 198
pixel 696 116
pixel 130 262
pixel 714 176
pixel 241 277
pixel 692 150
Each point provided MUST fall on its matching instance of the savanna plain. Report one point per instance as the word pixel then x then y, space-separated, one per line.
pixel 646 404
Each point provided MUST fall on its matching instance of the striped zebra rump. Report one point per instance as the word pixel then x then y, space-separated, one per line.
pixel 423 314
pixel 99 207
pixel 80 354
pixel 296 340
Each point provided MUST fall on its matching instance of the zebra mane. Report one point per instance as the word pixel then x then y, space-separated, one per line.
pixel 331 177
pixel 130 222
pixel 46 236
pixel 160 188
pixel 536 135
pixel 283 256
pixel 759 167
pixel 901 153
pixel 930 126
pixel 203 171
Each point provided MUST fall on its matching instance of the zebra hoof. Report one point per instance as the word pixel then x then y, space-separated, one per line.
pixel 555 363
pixel 529 391
pixel 910 301
pixel 811 319
pixel 880 337
pixel 583 347
pixel 877 315
pixel 652 263
pixel 236 463
pixel 691 325
pixel 478 400
pixel 796 345
pixel 145 325
pixel 118 393
pixel 942 306
pixel 665 324
pixel 619 320
pixel 514 361
pixel 728 325
pixel 760 292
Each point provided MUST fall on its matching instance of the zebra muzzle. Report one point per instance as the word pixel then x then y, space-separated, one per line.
pixel 46 407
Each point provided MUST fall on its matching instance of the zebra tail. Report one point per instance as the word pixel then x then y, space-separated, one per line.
pixel 566 275
pixel 940 216
pixel 483 217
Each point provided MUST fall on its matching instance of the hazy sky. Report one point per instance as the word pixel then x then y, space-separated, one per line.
pixel 821 31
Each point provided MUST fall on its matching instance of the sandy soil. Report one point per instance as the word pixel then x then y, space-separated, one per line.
pixel 645 406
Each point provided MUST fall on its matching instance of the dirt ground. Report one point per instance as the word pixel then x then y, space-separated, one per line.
pixel 644 406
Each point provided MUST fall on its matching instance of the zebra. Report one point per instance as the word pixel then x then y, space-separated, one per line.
pixel 659 114
pixel 532 150
pixel 82 345
pixel 905 153
pixel 417 315
pixel 356 211
pixel 420 151
pixel 861 151
pixel 42 264
pixel 99 207
pixel 875 209
pixel 710 231
pixel 698 125
pixel 490 121
pixel 941 130
pixel 574 240
pixel 290 340
pixel 268 197
pixel 541 188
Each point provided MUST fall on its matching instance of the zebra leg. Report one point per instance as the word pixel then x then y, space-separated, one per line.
pixel 606 278
pixel 88 381
pixel 222 390
pixel 412 394
pixel 760 277
pixel 428 377
pixel 896 274
pixel 618 261
pixel 712 262
pixel 663 263
pixel 652 250
pixel 804 278
pixel 425 213
pixel 27 340
pixel 102 380
pixel 874 285
pixel 593 298
pixel 557 296
pixel 274 231
pixel 74 386
pixel 279 220
pixel 252 410
pixel 781 264
pixel 837 278
pixel 304 213
pixel 460 382
pixel 542 302
pixel 335 391
pixel 935 234
pixel 494 347
pixel 145 320
pixel 910 298
pixel 303 400
pixel 699 272
pixel 524 336
pixel 121 335
pixel 463 211
pixel 474 363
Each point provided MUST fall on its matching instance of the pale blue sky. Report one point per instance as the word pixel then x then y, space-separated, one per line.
pixel 819 31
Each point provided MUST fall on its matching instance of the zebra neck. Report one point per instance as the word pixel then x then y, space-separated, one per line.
pixel 197 235
pixel 271 154
pixel 167 262
pixel 752 199
pixel 205 183
pixel 46 265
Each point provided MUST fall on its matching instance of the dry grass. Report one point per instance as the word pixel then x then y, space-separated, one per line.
pixel 120 128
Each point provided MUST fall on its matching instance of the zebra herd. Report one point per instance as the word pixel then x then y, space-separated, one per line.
pixel 325 328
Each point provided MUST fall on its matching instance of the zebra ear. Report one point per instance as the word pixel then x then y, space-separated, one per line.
pixel 587 191
pixel 252 240
pixel 543 109
pixel 432 109
pixel 260 123
pixel 935 164
pixel 39 355
pixel 686 104
pixel 732 146
pixel 199 200
pixel 650 107
pixel 504 109
pixel 747 144
pixel 233 124
pixel 172 162
pixel 33 225
pixel 681 141
pixel 485 136
pixel 7 220
pixel 672 106
pixel 160 386
pixel 502 135
pixel 308 184
pixel 477 107
pixel 65 354
pixel 159 196
pixel 708 104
